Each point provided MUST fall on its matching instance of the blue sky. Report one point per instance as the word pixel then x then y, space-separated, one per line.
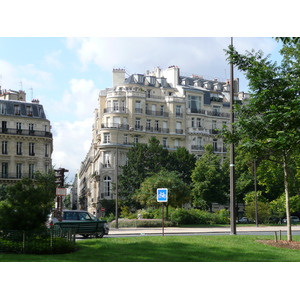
pixel 66 75
pixel 63 53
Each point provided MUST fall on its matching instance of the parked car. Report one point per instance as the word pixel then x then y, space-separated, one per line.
pixel 76 218
pixel 244 220
pixel 294 219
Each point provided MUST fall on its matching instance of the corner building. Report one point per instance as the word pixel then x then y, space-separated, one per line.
pixel 180 111
pixel 25 137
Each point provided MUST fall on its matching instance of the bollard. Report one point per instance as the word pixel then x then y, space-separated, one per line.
pixel 275 234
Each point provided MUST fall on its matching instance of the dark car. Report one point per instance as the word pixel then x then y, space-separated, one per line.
pixel 76 218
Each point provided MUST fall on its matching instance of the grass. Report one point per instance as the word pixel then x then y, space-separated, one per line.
pixel 239 248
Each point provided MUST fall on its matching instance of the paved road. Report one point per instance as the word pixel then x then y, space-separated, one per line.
pixel 253 230
pixel 245 230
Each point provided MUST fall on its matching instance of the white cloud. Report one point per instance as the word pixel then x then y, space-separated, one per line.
pixel 8 75
pixel 53 59
pixel 72 141
pixel 201 56
pixel 77 102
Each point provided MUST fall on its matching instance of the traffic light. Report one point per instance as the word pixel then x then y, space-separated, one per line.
pixel 60 176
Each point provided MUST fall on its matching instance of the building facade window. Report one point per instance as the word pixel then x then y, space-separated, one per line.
pixel 198 122
pixel 19 171
pixel 116 105
pixel 216 110
pixel 107 186
pixel 194 103
pixel 107 160
pixel 2 108
pixel 138 123
pixel 46 150
pixel 148 124
pixel 17 109
pixel 165 142
pixel 19 148
pixel 136 139
pixel 215 145
pixel 31 149
pixel 138 107
pixel 31 171
pixel 106 138
pixel 4 170
pixel 4 147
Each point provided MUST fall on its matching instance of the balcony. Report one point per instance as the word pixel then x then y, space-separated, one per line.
pixel 38 133
pixel 204 131
pixel 138 127
pixel 179 131
pixel 157 113
pixel 7 175
pixel 115 94
pixel 115 125
pixel 197 147
pixel 111 110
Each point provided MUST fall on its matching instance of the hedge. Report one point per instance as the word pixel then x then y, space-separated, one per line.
pixel 141 223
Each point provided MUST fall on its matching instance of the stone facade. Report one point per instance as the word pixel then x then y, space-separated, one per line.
pixel 180 111
pixel 25 137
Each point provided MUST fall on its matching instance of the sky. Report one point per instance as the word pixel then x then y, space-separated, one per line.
pixel 63 54
pixel 67 73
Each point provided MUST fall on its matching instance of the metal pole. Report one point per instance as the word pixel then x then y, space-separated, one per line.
pixel 255 191
pixel 232 167
pixel 163 225
pixel 117 175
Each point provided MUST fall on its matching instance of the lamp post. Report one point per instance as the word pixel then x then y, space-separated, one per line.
pixel 117 175
pixel 232 166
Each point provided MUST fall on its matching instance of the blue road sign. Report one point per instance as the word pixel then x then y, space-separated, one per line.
pixel 162 195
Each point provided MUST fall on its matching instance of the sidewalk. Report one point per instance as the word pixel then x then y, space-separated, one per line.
pixel 195 230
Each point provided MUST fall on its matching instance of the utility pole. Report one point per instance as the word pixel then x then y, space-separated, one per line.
pixel 60 181
pixel 232 161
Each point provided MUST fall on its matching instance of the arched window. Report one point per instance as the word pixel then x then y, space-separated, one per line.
pixel 107 186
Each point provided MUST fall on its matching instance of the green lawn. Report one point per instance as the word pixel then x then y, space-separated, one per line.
pixel 231 248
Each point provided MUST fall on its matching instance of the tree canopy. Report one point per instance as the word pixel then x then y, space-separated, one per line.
pixel 209 180
pixel 28 203
pixel 268 125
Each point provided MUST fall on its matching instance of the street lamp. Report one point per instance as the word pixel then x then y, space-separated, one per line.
pixel 232 167
pixel 117 175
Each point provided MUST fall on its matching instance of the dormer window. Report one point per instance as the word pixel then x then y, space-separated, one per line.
pixel 17 109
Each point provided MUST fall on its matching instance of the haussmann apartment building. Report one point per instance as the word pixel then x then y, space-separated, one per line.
pixel 180 111
pixel 25 137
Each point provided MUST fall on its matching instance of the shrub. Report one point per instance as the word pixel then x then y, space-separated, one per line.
pixel 141 223
pixel 36 242
pixel 196 216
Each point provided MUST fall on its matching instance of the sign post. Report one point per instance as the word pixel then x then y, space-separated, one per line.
pixel 162 196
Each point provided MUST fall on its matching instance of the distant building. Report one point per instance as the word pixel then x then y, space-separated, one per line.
pixel 25 137
pixel 180 111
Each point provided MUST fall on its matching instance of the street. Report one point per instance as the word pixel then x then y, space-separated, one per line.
pixel 168 231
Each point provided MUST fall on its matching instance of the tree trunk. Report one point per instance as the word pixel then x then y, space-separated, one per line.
pixel 287 200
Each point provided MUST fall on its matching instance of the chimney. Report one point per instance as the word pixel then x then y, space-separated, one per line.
pixel 118 77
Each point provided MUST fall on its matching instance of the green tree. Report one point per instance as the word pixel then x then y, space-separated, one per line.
pixel 178 191
pixel 208 180
pixel 28 203
pixel 278 206
pixel 143 161
pixel 268 126
pixel 263 211
pixel 182 162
